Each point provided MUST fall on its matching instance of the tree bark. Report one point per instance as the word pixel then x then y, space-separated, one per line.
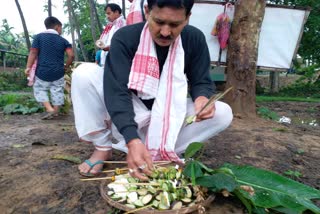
pixel 274 81
pixel 77 28
pixel 124 8
pixel 74 45
pixel 100 27
pixel 25 29
pixel 94 23
pixel 242 56
pixel 49 8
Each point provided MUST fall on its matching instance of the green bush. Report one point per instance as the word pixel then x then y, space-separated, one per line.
pixel 302 89
pixel 19 104
pixel 308 85
pixel 267 114
pixel 13 81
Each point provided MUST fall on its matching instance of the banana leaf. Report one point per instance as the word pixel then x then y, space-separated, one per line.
pixel 274 191
pixel 218 182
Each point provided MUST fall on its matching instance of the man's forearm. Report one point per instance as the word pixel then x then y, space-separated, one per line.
pixel 31 58
pixel 69 61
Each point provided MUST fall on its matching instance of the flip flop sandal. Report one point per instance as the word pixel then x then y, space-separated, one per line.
pixel 90 174
pixel 47 115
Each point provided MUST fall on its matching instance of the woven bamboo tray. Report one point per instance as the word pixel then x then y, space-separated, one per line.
pixel 103 190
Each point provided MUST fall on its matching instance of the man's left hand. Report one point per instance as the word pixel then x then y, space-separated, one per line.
pixel 208 112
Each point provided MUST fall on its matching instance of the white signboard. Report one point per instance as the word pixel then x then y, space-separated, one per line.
pixel 280 33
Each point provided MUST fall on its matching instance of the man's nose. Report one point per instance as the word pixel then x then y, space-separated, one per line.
pixel 165 31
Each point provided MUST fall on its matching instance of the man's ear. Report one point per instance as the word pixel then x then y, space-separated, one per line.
pixel 146 11
pixel 188 17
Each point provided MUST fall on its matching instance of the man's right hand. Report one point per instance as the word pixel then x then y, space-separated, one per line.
pixel 27 71
pixel 139 159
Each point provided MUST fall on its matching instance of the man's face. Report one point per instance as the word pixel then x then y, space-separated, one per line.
pixel 58 28
pixel 166 24
pixel 111 16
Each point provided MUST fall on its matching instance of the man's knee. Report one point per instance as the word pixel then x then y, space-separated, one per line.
pixel 224 114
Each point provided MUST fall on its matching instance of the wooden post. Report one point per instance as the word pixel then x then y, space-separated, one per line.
pixel 274 81
pixel 3 56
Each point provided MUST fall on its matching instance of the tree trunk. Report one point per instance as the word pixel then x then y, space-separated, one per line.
pixel 94 23
pixel 100 27
pixel 242 56
pixel 124 8
pixel 74 45
pixel 77 28
pixel 49 8
pixel 25 29
pixel 274 81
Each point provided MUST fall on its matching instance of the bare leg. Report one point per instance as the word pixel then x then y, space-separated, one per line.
pixel 48 107
pixel 56 109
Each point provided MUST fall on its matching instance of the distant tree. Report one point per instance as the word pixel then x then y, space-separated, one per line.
pixel 242 56
pixel 49 8
pixel 94 21
pixel 78 30
pixel 124 8
pixel 25 29
pixel 72 32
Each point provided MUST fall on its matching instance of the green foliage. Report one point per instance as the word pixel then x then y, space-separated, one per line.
pixel 14 43
pixel 258 189
pixel 285 98
pixel 13 81
pixel 19 109
pixel 82 12
pixel 280 129
pixel 19 104
pixel 302 89
pixel 266 113
pixel 294 174
pixel 193 149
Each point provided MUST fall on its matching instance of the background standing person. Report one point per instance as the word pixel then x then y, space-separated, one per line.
pixel 116 21
pixel 48 48
pixel 98 57
pixel 136 12
pixel 145 91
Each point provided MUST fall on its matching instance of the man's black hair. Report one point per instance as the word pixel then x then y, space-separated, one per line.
pixel 186 4
pixel 113 7
pixel 51 22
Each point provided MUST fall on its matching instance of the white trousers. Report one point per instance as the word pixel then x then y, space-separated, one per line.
pixel 91 114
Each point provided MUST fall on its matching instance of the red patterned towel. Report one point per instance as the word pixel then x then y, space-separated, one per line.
pixel 170 91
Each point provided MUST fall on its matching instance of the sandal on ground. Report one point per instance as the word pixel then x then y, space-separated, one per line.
pixel 90 174
pixel 47 115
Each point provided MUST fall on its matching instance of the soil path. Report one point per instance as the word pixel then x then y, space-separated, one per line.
pixel 32 182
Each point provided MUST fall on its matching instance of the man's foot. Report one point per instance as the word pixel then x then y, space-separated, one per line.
pixel 47 115
pixel 93 166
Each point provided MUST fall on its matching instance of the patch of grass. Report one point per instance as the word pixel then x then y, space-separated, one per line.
pixel 19 104
pixel 312 110
pixel 280 129
pixel 266 113
pixel 294 174
pixel 294 99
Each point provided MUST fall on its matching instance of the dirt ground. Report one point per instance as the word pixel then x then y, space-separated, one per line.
pixel 32 182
